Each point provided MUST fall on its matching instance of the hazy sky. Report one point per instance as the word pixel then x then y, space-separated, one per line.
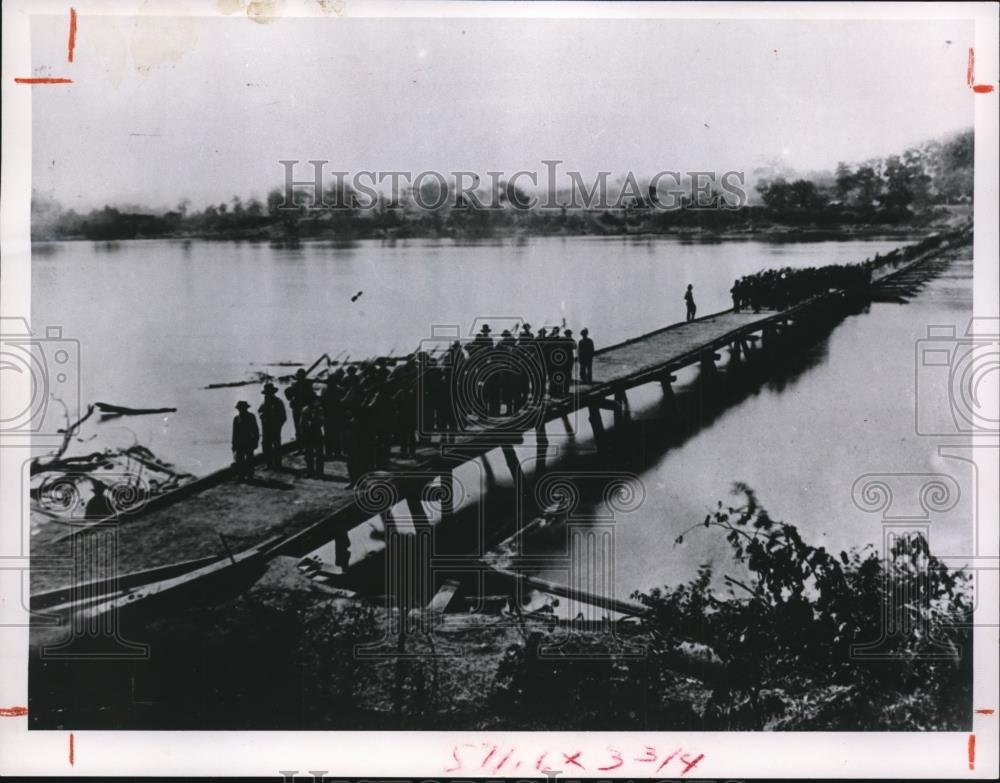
pixel 163 108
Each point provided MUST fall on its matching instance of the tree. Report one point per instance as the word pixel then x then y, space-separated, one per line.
pixel 868 186
pixel 805 195
pixel 781 196
pixel 899 186
pixel 845 181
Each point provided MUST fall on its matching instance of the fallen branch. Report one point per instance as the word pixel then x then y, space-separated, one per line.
pixel 121 410
pixel 234 383
pixel 37 466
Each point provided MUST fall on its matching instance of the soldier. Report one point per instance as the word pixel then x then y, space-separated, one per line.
pixel 454 367
pixel 444 410
pixel 363 437
pixel 404 400
pixel 585 355
pixel 311 430
pixel 542 357
pixel 492 383
pixel 566 359
pixel 246 436
pixel 692 308
pixel 332 414
pixel 527 358
pixel 382 412
pixel 735 292
pixel 272 419
pixel 424 395
pixel 482 340
pixel 509 378
pixel 456 355
pixel 551 349
pixel 424 387
pixel 480 350
pixel 299 394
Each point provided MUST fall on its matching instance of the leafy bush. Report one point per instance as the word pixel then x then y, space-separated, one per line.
pixel 779 651
pixel 799 624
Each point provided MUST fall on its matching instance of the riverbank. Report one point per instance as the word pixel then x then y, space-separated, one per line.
pixel 764 231
pixel 294 654
pixel 471 225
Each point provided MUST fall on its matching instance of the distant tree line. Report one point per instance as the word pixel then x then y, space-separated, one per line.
pixel 895 189
pixel 909 189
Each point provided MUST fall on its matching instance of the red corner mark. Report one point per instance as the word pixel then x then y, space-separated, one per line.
pixel 69 56
pixel 72 34
pixel 984 712
pixel 42 80
pixel 13 712
pixel 71 750
pixel 972 751
pixel 970 77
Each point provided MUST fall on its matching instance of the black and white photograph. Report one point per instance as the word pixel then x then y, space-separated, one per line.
pixel 605 382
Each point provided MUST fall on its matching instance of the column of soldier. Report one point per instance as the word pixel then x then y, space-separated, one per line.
pixel 778 289
pixel 365 408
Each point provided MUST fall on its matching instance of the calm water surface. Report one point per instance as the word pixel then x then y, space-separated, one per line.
pixel 159 320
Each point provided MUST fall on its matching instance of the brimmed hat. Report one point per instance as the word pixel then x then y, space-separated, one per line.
pixel 242 405
pixel 269 388
pixel 585 331
pixel 486 328
pixel 525 326
pixel 567 332
pixel 300 373
pixel 505 333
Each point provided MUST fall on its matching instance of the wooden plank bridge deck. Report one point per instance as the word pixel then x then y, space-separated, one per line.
pixel 191 522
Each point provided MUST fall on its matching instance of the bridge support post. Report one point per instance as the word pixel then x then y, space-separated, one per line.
pixel 597 425
pixel 513 464
pixel 621 410
pixel 669 398
pixel 707 364
pixel 541 449
pixel 768 338
pixel 418 515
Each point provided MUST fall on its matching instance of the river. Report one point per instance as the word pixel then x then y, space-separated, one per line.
pixel 158 320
